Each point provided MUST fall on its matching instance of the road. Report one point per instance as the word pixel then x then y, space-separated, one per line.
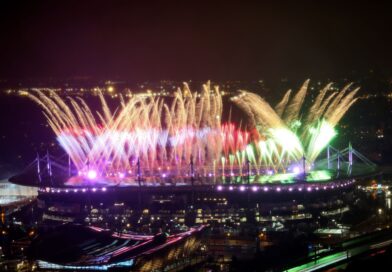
pixel 349 249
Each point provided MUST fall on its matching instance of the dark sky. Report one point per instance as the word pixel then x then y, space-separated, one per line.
pixel 200 40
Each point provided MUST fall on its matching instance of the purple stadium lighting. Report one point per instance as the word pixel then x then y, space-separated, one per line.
pixel 219 188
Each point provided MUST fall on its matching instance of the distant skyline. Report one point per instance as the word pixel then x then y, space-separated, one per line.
pixel 199 40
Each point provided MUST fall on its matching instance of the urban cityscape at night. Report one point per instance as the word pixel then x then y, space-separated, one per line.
pixel 203 136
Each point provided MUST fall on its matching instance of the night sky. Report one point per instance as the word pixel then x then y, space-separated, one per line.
pixel 201 40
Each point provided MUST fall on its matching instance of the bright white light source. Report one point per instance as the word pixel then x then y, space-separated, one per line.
pixel 92 174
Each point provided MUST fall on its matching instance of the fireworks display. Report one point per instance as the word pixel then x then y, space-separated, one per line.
pixel 162 137
pixel 290 132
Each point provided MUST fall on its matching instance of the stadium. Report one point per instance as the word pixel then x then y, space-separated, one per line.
pixel 175 163
pixel 178 157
